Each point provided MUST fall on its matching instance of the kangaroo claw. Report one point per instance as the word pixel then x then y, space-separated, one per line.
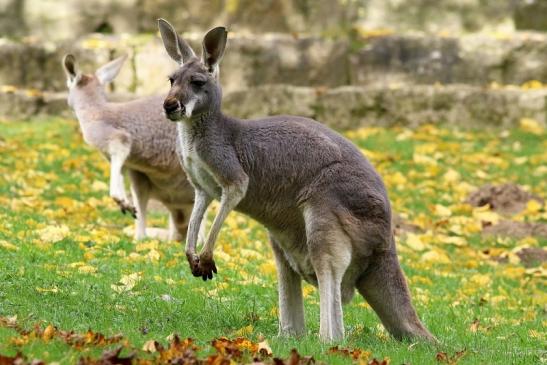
pixel 126 207
pixel 207 267
pixel 203 266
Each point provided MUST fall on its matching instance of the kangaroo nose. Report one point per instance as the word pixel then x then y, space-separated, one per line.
pixel 170 105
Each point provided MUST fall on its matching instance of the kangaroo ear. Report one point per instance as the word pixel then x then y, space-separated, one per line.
pixel 71 70
pixel 214 44
pixel 175 46
pixel 108 72
pixel 69 65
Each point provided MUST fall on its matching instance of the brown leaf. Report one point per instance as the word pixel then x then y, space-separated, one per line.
pixel 378 362
pixel 111 357
pixel 8 360
pixel 355 354
pixel 444 358
pixel 474 325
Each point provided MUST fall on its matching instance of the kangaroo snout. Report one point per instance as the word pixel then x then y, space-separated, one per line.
pixel 173 109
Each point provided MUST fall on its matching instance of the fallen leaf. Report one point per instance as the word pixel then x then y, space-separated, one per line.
pixel 126 283
pixel 150 346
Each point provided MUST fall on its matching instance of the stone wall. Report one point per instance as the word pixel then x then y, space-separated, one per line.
pixel 282 59
pixel 347 63
pixel 69 19
pixel 349 107
pixel 344 107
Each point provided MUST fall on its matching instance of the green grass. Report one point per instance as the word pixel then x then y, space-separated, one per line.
pixel 49 177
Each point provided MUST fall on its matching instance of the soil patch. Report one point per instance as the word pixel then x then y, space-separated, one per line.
pixel 506 199
pixel 532 256
pixel 516 229
pixel 529 257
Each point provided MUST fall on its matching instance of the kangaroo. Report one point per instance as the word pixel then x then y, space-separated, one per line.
pixel 325 207
pixel 135 136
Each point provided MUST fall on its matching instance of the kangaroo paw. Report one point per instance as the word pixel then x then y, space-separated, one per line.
pixel 193 261
pixel 126 207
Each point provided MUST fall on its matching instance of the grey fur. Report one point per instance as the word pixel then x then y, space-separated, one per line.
pixel 135 136
pixel 324 205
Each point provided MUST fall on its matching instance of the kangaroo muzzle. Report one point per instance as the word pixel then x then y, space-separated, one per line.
pixel 173 109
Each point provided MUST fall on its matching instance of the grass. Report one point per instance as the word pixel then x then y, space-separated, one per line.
pixel 64 257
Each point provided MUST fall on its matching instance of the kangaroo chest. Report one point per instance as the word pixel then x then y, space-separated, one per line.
pixel 194 166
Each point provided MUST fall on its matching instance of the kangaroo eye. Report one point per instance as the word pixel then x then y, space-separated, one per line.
pixel 198 83
pixel 171 80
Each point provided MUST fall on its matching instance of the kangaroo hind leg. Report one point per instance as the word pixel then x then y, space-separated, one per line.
pixel 384 287
pixel 291 304
pixel 140 191
pixel 330 253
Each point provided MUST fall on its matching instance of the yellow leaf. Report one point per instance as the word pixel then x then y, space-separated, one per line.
pixel 414 242
pixel 442 211
pixel 135 257
pixel 480 279
pixel 539 272
pixel 531 126
pixel 268 268
pixel 8 246
pixel 513 258
pixel 33 92
pixel 532 207
pixel 153 255
pixel 99 186
pixel 498 299
pixel 48 290
pixel 436 257
pixel 49 332
pixel 362 133
pixel 423 159
pixel 95 43
pixel 528 242
pixel 453 240
pixel 249 254
pixel 8 89
pixel 395 179
pixel 483 215
pixel 54 233
pixel 76 264
pixel 150 346
pixel 532 85
pixel 472 227
pixel 451 176
pixel 87 269
pixel 307 290
pixel 127 282
pixel 244 331
pixel 152 245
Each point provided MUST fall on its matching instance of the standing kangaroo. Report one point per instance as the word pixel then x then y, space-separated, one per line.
pixel 323 204
pixel 137 137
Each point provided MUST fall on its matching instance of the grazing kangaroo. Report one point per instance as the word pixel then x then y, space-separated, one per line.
pixel 323 204
pixel 137 137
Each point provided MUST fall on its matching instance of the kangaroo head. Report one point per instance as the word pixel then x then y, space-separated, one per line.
pixel 195 87
pixel 85 86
